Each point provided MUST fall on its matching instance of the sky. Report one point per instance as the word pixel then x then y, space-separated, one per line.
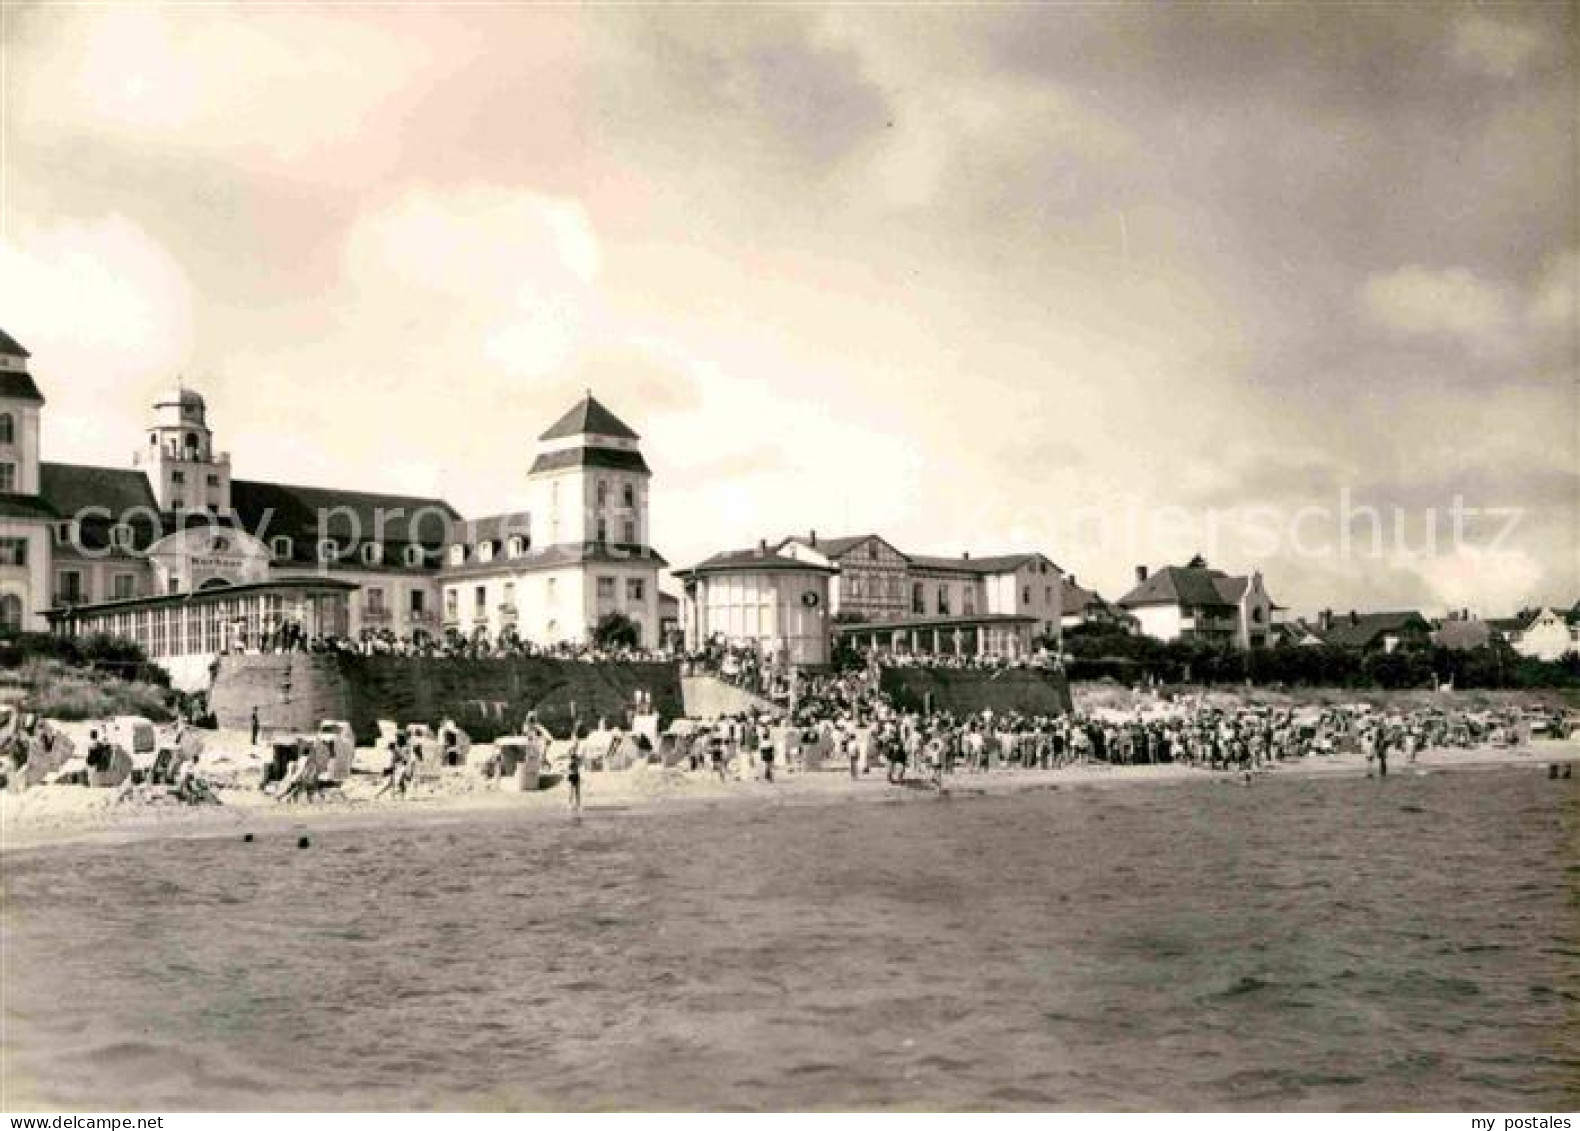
pixel 1292 286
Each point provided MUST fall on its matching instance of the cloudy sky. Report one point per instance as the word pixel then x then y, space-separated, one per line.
pixel 1277 283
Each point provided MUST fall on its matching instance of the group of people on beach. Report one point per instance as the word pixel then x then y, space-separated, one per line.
pixel 847 719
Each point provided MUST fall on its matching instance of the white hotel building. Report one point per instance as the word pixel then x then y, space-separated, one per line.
pixel 181 556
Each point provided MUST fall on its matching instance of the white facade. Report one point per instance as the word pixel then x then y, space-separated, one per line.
pixel 1546 636
pixel 777 603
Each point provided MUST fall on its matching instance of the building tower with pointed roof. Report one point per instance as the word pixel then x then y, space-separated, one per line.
pixel 21 405
pixel 577 552
pixel 183 468
pixel 588 484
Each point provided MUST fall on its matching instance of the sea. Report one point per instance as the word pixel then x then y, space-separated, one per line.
pixel 1411 943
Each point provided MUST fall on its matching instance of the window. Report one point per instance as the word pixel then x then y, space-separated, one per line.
pixel 213 481
pixel 7 429
pixel 10 613
pixel 125 587
pixel 943 601
pixel 485 551
pixel 457 555
pixel 628 496
pixel 552 589
pixel 121 536
pixel 918 601
pixel 173 585
pixel 1025 595
pixel 635 590
pixel 282 547
pixel 375 599
pixel 1047 594
pixel 452 603
pixel 603 530
pixel 13 551
pixel 606 589
pixel 629 532
pixel 372 553
pixel 178 477
pixel 328 550
pixel 480 598
pixel 872 551
pixel 510 595
pixel 7 477
pixel 70 585
pixel 603 492
pixel 415 554
pixel 516 546
pixel 178 503
pixel 417 607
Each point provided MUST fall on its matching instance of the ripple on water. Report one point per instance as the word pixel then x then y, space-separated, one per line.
pixel 1298 945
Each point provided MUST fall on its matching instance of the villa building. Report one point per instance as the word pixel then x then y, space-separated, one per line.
pixel 1194 602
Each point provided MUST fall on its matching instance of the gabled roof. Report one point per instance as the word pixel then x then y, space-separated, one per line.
pixel 1358 630
pixel 71 488
pixel 26 506
pixel 492 528
pixel 270 509
pixel 10 345
pixel 562 554
pixel 1463 635
pixel 754 559
pixel 19 386
pixel 1074 598
pixel 613 459
pixel 1192 586
pixel 1000 563
pixel 588 415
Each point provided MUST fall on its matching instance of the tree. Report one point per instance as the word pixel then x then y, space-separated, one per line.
pixel 616 630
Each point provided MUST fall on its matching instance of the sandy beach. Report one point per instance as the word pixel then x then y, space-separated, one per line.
pixel 61 815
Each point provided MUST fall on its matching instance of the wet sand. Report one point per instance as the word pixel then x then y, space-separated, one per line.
pixel 57 815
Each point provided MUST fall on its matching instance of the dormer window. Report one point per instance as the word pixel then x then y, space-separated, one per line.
pixel 372 553
pixel 415 555
pixel 328 550
pixel 282 547
pixel 457 555
pixel 121 536
pixel 485 551
pixel 517 546
pixel 7 428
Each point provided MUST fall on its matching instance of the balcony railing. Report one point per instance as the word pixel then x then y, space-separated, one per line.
pixel 508 613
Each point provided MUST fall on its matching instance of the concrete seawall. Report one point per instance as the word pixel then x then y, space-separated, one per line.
pixel 488 697
pixel 964 691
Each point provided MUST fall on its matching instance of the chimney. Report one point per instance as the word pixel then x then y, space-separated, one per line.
pixel 762 547
pixel 1355 618
pixel 814 539
pixel 1072 580
pixel 1325 620
pixel 1141 574
pixel 965 556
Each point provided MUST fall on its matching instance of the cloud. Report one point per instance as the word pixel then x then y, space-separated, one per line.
pixel 515 272
pixel 276 88
pixel 105 309
pixel 1479 578
pixel 1492 46
pixel 1555 302
pixel 1453 302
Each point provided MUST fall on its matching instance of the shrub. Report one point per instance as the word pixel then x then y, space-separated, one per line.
pixel 76 694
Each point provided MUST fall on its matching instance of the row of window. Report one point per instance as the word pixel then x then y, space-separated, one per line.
pixel 70 590
pixel 605 588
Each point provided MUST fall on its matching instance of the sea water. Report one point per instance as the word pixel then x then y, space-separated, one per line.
pixel 1409 943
